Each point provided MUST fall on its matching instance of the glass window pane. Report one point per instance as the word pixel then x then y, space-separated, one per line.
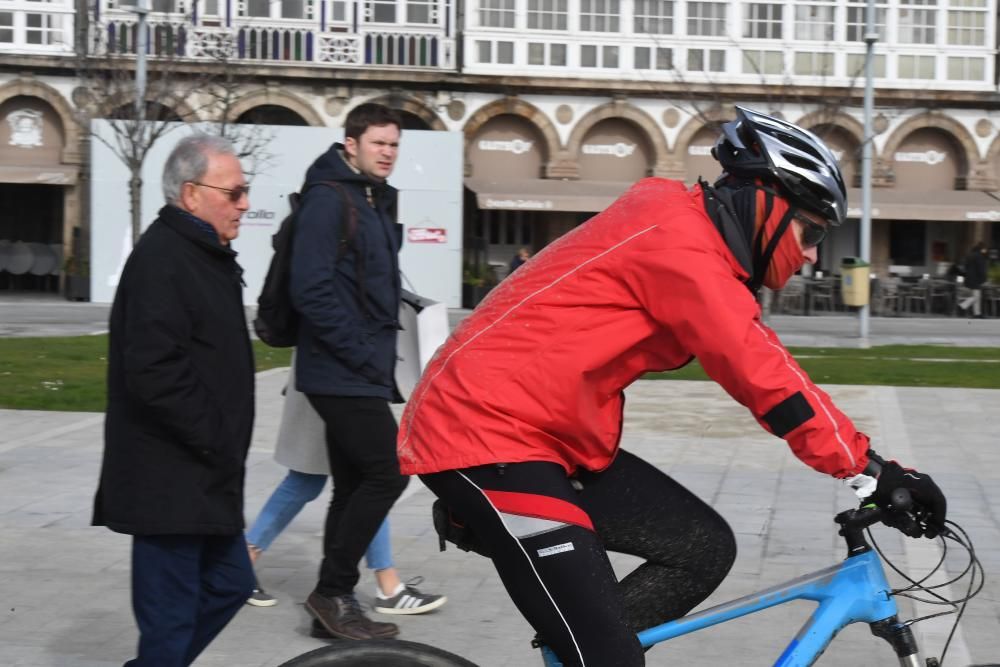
pixel 641 57
pixel 485 50
pixel 536 53
pixel 610 57
pixel 6 30
pixel 588 56
pixel 557 55
pixel 258 7
pixel 505 53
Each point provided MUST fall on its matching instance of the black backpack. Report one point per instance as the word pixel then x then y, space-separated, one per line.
pixel 277 321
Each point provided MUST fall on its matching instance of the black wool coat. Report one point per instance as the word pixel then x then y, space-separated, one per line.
pixel 180 388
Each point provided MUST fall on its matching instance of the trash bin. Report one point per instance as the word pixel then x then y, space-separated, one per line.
pixel 854 281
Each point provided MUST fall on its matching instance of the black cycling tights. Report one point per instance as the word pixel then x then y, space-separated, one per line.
pixel 548 535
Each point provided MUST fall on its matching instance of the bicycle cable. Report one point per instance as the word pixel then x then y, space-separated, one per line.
pixel 973 569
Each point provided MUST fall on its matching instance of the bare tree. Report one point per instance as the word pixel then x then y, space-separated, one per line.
pixel 178 89
pixel 220 94
pixel 106 69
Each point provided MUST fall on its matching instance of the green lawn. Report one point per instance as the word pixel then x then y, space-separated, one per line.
pixel 68 373
pixel 895 365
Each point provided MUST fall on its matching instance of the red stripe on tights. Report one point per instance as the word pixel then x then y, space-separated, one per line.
pixel 540 507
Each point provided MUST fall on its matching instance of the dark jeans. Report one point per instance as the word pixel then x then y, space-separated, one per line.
pixel 185 589
pixel 361 445
pixel 556 568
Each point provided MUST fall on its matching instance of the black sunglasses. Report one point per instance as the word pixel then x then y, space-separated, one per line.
pixel 235 194
pixel 813 233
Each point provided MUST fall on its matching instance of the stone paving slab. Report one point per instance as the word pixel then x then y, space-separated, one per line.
pixel 64 586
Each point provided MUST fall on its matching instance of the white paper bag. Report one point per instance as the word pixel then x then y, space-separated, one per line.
pixel 424 328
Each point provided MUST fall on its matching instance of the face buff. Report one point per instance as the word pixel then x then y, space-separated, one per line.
pixel 787 257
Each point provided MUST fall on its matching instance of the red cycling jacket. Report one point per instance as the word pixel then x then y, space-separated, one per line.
pixel 537 371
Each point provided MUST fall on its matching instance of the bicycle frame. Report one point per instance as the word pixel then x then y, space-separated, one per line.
pixel 854 591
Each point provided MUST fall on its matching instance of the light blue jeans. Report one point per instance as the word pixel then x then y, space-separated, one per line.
pixel 297 489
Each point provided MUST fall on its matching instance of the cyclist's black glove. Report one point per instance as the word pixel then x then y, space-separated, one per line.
pixel 930 506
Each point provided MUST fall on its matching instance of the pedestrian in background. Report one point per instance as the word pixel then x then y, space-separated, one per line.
pixel 522 256
pixel 180 409
pixel 345 284
pixel 976 266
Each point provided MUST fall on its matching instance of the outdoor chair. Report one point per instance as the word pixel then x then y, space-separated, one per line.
pixel 793 294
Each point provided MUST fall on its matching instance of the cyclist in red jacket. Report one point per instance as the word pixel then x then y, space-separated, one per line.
pixel 516 422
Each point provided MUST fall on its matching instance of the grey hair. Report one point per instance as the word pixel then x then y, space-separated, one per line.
pixel 189 162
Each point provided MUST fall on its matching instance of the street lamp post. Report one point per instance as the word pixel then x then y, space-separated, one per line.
pixel 141 9
pixel 866 162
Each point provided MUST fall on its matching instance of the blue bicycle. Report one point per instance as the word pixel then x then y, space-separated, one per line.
pixel 853 591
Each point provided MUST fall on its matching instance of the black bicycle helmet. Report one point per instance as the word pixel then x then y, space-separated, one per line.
pixel 759 146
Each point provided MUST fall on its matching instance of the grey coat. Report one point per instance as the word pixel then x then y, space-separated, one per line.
pixel 301 442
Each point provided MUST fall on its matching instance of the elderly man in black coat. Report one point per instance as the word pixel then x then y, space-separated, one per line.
pixel 180 409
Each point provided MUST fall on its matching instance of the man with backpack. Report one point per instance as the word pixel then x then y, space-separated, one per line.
pixel 345 286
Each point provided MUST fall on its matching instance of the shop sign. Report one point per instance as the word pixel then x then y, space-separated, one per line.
pixel 929 157
pixel 25 128
pixel 515 146
pixel 620 149
pixel 514 204
pixel 427 235
pixel 257 218
pixel 700 150
pixel 856 212
pixel 983 215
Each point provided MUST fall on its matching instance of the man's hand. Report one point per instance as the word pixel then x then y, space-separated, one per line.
pixel 930 505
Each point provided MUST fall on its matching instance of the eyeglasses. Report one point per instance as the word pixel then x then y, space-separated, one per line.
pixel 813 233
pixel 235 194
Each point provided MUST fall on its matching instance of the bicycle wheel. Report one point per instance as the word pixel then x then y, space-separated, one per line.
pixel 378 653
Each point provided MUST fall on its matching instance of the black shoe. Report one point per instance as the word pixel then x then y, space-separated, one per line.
pixel 980 316
pixel 317 630
pixel 342 618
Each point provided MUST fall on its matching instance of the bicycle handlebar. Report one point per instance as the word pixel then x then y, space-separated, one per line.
pixel 897 515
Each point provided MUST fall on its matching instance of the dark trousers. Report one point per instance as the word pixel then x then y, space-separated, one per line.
pixel 185 589
pixel 533 520
pixel 361 445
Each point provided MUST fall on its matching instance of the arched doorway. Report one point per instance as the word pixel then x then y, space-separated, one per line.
pixel 271 114
pixel 33 184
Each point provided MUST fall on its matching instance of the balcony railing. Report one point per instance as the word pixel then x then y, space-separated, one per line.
pixel 35 27
pixel 279 41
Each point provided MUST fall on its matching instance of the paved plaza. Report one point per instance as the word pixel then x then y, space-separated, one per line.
pixel 64 586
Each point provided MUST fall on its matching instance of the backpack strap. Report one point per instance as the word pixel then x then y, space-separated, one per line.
pixel 348 236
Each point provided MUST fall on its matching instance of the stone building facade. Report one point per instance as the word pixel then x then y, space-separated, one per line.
pixel 562 103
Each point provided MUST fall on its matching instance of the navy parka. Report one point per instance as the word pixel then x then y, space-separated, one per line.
pixel 347 336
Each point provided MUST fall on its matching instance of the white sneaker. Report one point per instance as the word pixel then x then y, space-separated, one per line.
pixel 408 600
pixel 261 598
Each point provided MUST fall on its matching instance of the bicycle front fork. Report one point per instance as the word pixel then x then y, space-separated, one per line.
pixel 900 637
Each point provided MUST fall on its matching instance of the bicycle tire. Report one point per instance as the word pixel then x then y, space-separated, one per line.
pixel 378 653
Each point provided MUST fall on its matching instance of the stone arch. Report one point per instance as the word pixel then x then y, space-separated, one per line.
pixel 274 97
pixel 413 105
pixel 71 153
pixel 107 107
pixel 853 127
pixel 556 166
pixel 836 118
pixel 622 110
pixel 704 118
pixel 934 119
pixel 989 179
pixel 717 114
